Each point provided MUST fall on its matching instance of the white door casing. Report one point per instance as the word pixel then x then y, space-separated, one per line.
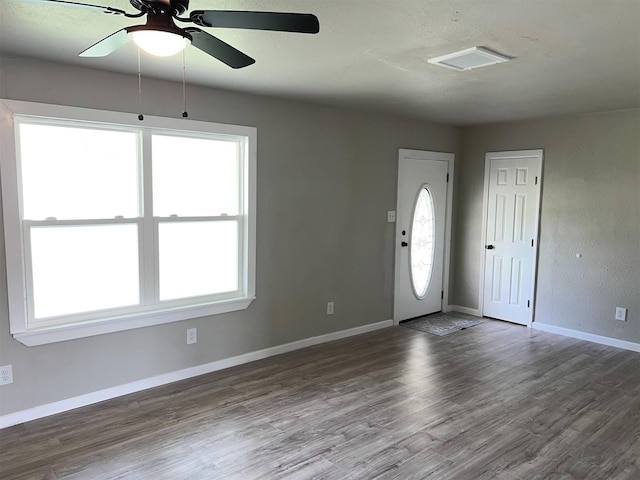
pixel 510 235
pixel 418 171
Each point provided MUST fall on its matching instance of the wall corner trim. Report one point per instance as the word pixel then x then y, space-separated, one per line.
pixel 590 337
pixel 65 405
pixel 469 311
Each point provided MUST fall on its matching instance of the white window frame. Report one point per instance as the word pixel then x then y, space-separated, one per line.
pixel 82 325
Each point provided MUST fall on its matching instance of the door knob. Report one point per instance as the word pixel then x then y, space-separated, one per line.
pixel 404 244
pixel 489 247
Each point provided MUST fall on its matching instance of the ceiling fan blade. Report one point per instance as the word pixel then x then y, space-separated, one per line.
pixel 218 49
pixel 107 45
pixel 86 6
pixel 281 22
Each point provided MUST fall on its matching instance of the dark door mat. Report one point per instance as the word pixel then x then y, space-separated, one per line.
pixel 441 324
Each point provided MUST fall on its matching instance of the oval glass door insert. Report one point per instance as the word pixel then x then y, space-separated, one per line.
pixel 422 245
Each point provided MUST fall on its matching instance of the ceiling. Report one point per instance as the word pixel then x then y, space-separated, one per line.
pixel 568 56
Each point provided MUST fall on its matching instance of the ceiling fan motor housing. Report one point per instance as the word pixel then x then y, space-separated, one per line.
pixel 160 22
pixel 175 7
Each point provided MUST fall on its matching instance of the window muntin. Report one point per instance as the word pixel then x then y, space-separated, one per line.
pixel 120 315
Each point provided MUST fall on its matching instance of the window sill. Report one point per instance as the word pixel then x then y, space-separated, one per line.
pixel 43 336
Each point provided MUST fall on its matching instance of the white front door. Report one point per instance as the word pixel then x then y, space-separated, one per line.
pixel 420 232
pixel 511 234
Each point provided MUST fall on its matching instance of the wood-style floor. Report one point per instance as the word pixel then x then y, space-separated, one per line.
pixel 493 401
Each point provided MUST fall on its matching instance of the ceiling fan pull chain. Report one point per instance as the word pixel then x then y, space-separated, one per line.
pixel 140 116
pixel 184 87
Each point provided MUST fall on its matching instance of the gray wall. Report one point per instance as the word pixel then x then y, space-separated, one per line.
pixel 590 205
pixel 326 178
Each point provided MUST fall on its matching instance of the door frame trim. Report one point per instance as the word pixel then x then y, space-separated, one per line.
pixel 485 207
pixel 446 254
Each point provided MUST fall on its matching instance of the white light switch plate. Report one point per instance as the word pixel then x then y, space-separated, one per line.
pixel 192 336
pixel 391 216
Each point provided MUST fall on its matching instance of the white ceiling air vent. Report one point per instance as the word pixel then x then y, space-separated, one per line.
pixel 468 59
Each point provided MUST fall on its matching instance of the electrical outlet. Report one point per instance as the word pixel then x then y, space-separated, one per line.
pixel 329 308
pixel 391 216
pixel 621 314
pixel 6 374
pixel 192 336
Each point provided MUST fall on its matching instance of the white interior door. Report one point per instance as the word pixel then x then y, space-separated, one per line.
pixel 511 234
pixel 420 232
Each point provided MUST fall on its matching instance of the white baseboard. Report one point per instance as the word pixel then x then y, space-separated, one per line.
pixel 469 311
pixel 590 337
pixel 46 410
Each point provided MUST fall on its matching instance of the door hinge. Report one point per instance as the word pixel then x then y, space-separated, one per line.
pixel 447 178
pixel 442 295
pixel 528 303
pixel 532 242
pixel 536 181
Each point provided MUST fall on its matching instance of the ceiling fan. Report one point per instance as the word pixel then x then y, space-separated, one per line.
pixel 162 37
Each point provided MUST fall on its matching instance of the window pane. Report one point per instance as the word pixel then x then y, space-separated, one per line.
pixel 78 173
pixel 84 268
pixel 194 176
pixel 422 248
pixel 197 258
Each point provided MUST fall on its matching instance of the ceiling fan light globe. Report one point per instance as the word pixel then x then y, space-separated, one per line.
pixel 159 43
